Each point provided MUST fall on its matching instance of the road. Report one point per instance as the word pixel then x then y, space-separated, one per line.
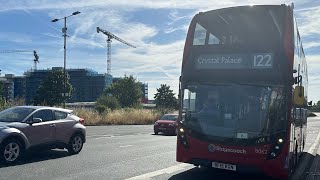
pixel 127 152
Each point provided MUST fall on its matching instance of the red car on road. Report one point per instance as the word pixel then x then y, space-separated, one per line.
pixel 167 124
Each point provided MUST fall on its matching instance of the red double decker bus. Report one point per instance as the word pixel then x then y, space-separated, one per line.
pixel 243 91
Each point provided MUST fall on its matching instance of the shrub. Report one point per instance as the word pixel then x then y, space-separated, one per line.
pixel 107 102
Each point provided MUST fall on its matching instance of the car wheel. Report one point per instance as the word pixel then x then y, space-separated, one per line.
pixel 11 151
pixel 76 144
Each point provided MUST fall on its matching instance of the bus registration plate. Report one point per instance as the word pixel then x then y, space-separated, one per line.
pixel 224 166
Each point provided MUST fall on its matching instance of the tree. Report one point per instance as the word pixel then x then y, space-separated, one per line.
pixel 107 102
pixel 316 107
pixel 50 91
pixel 127 90
pixel 164 98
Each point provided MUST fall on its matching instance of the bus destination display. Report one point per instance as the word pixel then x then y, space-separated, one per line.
pixel 235 61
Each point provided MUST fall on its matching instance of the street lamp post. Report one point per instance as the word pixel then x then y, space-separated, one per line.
pixel 64 31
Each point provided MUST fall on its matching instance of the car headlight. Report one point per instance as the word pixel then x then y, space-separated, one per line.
pixel 156 123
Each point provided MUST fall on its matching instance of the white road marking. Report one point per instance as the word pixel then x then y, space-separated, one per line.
pixel 125 146
pixel 113 135
pixel 168 170
pixel 105 136
pixel 102 135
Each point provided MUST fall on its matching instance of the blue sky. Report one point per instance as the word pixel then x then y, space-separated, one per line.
pixel 157 28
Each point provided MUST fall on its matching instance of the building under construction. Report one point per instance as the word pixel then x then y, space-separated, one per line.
pixel 87 84
pixel 14 87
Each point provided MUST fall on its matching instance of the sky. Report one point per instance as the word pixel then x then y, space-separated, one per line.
pixel 157 28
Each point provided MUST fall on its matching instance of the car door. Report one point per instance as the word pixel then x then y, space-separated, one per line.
pixel 64 126
pixel 43 132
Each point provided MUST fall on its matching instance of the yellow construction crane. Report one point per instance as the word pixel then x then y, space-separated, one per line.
pixel 36 57
pixel 109 40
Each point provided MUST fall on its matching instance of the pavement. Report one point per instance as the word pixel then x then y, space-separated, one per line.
pixel 312 170
pixel 130 153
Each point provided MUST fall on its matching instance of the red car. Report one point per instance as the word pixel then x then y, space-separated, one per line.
pixel 167 124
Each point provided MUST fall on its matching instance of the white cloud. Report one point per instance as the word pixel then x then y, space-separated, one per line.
pixel 149 56
pixel 173 29
pixel 15 37
pixel 133 4
pixel 80 42
pixel 311 44
pixel 309 22
pixel 314 74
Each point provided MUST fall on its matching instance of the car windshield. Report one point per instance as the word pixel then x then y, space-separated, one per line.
pixel 234 111
pixel 169 117
pixel 15 114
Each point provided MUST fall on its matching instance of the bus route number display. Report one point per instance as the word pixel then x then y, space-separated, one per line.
pixel 262 60
pixel 235 61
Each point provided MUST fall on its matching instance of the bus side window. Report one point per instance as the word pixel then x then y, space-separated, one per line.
pixel 199 37
pixel 213 39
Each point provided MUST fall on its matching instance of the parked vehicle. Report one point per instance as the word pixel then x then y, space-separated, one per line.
pixel 167 124
pixel 37 127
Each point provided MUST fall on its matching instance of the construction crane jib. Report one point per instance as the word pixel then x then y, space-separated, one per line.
pixel 36 57
pixel 109 40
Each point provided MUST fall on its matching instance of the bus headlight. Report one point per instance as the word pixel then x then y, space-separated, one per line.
pixel 276 148
pixel 183 138
pixel 181 130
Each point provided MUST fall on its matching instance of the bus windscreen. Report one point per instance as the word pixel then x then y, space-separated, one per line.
pixel 234 110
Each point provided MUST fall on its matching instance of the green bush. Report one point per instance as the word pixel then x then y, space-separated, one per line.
pixel 316 107
pixel 107 103
pixel 166 110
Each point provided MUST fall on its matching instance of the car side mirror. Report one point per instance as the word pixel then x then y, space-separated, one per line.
pixel 34 120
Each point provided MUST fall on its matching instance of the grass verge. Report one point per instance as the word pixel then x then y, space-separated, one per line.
pixel 125 116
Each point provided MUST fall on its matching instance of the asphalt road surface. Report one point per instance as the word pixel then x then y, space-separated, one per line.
pixel 126 152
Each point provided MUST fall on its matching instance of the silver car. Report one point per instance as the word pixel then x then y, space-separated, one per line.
pixel 32 127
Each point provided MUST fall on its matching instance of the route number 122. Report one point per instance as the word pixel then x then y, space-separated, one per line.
pixel 262 61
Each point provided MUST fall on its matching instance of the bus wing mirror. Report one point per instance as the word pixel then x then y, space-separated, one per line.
pixel 298 96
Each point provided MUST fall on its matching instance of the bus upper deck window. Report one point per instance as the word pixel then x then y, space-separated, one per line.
pixel 213 39
pixel 199 35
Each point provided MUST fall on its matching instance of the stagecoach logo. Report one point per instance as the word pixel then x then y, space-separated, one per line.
pixel 213 148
